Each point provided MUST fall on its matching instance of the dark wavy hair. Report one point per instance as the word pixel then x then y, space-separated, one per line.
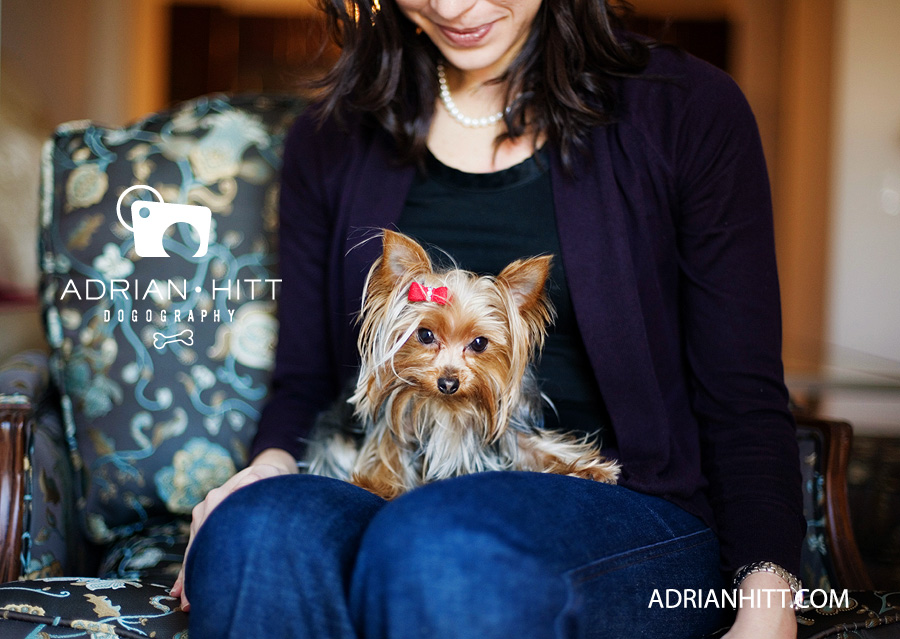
pixel 564 77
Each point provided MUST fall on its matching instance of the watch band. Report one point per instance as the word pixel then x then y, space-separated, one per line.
pixel 769 566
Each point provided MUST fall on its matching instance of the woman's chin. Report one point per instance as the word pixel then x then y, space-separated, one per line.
pixel 487 60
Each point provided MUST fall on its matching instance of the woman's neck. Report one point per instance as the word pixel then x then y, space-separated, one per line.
pixel 476 90
pixel 472 149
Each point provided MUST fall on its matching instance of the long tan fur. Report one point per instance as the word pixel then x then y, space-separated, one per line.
pixel 412 433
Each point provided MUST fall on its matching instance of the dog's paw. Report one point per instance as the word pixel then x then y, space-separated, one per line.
pixel 385 490
pixel 606 472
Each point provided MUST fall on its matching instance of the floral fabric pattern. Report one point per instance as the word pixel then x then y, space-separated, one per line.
pixel 90 609
pixel 51 541
pixel 162 363
pixel 196 469
pixel 154 554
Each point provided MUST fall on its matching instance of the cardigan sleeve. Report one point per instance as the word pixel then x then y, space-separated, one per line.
pixel 731 327
pixel 303 381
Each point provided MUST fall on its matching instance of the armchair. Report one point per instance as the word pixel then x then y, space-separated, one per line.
pixel 158 370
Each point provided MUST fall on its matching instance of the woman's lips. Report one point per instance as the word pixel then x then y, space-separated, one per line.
pixel 466 37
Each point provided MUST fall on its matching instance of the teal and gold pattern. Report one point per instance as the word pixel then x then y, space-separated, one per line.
pixel 129 433
pixel 52 541
pixel 154 423
pixel 90 609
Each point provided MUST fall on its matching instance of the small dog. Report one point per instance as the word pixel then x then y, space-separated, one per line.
pixel 445 386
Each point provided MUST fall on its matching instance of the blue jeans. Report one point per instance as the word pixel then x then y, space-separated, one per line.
pixel 492 555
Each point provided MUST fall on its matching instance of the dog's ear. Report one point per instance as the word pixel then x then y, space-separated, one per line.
pixel 526 280
pixel 402 256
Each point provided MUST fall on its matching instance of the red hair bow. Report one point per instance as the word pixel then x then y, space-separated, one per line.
pixel 421 293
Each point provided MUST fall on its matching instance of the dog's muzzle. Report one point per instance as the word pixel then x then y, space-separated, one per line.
pixel 448 385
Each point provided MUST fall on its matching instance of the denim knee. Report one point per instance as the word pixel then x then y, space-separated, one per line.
pixel 425 525
pixel 280 527
pixel 223 541
pixel 275 557
pixel 435 562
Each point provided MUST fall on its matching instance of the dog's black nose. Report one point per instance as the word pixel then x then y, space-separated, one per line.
pixel 448 385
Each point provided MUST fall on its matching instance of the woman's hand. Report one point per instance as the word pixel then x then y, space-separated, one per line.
pixel 770 614
pixel 271 462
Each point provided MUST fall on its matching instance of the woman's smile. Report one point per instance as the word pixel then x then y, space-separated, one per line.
pixel 480 37
pixel 466 37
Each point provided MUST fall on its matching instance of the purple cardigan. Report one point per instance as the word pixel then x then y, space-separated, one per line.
pixel 666 236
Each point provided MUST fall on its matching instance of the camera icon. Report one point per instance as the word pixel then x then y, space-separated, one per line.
pixel 149 221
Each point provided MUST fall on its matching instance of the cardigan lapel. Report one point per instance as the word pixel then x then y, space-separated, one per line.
pixel 380 190
pixel 376 190
pixel 594 234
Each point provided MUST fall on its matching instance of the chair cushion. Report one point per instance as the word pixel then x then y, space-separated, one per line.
pixel 154 554
pixel 90 609
pixel 868 614
pixel 161 384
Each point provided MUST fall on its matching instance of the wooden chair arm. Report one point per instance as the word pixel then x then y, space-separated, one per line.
pixel 15 424
pixel 848 565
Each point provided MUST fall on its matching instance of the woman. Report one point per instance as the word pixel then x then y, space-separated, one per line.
pixel 642 170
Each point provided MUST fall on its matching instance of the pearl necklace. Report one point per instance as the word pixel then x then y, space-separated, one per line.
pixel 453 110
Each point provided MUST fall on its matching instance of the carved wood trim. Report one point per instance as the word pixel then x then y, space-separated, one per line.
pixel 14 424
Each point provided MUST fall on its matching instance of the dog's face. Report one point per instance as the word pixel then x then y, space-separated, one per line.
pixel 461 350
pixel 467 346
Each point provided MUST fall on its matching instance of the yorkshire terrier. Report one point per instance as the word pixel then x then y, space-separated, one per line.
pixel 445 387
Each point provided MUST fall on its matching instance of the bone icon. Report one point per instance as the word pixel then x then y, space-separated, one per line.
pixel 186 337
pixel 149 221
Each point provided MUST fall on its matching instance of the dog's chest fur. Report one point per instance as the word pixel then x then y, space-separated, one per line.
pixel 434 440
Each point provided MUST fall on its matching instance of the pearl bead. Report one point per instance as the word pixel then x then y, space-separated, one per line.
pixel 453 110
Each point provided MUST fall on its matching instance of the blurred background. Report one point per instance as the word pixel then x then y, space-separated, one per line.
pixel 823 77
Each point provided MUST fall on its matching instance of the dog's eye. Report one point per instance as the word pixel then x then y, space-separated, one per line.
pixel 479 344
pixel 425 336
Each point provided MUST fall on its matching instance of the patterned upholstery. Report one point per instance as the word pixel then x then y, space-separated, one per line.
pixel 130 433
pixel 817 569
pixel 153 426
pixel 52 544
pixel 91 609
pixel 868 615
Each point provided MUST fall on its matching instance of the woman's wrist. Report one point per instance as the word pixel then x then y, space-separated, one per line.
pixel 790 580
pixel 765 609
pixel 768 590
pixel 277 457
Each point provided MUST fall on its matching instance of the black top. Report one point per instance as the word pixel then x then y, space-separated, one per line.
pixel 487 220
